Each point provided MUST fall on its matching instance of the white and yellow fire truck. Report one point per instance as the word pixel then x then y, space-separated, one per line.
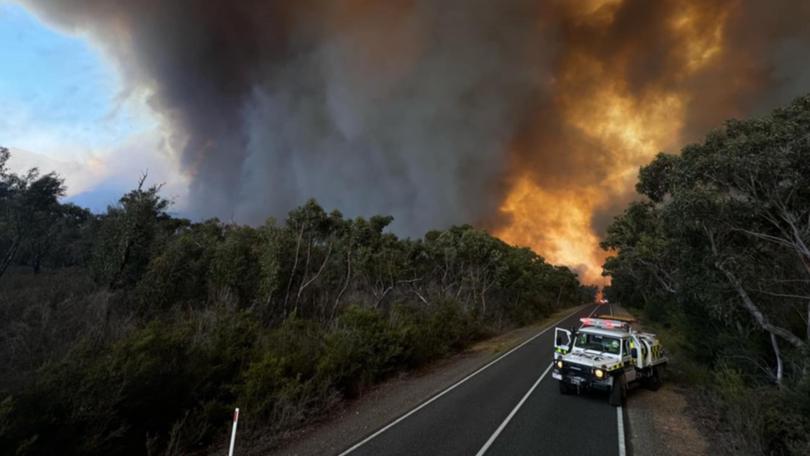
pixel 607 354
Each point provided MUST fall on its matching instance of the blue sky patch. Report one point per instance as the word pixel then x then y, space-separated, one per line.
pixel 58 94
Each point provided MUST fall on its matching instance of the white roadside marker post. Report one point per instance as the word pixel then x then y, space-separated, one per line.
pixel 233 431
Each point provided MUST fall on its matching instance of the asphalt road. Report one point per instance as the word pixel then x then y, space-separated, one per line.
pixel 510 407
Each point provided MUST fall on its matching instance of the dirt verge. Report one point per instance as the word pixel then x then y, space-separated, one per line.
pixel 658 423
pixel 661 423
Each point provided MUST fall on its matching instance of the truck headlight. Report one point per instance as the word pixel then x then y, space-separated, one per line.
pixel 559 364
pixel 599 373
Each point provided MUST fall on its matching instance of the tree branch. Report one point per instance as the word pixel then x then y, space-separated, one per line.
pixel 315 277
pixel 748 303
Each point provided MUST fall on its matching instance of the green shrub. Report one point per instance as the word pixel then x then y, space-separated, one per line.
pixel 783 429
pixel 175 277
pixel 164 377
pixel 235 264
pixel 362 350
pixel 417 335
pixel 453 326
pixel 761 419
pixel 145 346
pixel 281 385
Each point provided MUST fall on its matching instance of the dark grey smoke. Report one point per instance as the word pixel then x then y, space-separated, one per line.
pixel 421 109
pixel 401 107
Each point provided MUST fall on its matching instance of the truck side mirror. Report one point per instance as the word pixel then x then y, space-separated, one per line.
pixel 634 352
pixel 560 340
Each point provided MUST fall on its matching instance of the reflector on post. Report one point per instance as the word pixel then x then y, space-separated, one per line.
pixel 233 431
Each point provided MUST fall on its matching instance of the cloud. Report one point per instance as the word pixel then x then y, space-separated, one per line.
pixel 98 180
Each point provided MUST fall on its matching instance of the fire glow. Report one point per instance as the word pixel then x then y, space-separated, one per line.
pixel 597 102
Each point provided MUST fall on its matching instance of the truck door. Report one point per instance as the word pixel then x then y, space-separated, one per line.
pixel 639 352
pixel 562 342
pixel 628 363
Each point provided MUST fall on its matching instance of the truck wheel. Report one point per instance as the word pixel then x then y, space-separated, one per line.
pixel 618 392
pixel 564 389
pixel 654 381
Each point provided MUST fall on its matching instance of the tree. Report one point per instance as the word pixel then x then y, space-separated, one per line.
pixel 29 209
pixel 235 264
pixel 727 225
pixel 180 273
pixel 127 235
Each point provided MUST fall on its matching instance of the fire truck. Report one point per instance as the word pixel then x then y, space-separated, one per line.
pixel 607 354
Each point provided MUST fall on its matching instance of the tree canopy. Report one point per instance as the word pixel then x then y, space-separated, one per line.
pixel 719 246
pixel 134 330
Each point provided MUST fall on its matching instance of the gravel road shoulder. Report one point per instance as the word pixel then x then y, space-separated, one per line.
pixel 659 422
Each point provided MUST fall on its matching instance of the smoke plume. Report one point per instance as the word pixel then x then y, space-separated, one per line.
pixel 530 118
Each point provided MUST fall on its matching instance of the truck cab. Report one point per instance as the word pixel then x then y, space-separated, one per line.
pixel 606 354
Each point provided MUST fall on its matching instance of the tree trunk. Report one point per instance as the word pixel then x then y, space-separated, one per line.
pixel 37 264
pixel 304 284
pixel 748 303
pixel 295 266
pixel 9 256
pixel 419 295
pixel 752 308
pixel 122 265
pixel 775 344
pixel 346 283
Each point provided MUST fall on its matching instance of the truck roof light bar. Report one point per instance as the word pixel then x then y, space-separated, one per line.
pixel 603 323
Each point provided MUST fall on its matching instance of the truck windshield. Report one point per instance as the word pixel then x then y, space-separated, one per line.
pixel 598 342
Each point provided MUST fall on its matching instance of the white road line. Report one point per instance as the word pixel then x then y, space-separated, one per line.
pixel 620 420
pixel 452 387
pixel 512 414
pixel 518 406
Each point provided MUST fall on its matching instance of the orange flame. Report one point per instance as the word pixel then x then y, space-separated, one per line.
pixel 597 102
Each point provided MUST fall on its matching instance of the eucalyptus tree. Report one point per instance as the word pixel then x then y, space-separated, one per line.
pixel 29 209
pixel 727 224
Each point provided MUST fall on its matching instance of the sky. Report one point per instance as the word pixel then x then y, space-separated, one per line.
pixel 63 108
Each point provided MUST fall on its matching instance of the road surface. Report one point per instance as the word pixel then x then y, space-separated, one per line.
pixel 508 407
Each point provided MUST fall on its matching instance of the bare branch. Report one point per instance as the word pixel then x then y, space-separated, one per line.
pixel 315 277
pixel 748 303
pixel 142 179
pixel 295 265
pixel 782 295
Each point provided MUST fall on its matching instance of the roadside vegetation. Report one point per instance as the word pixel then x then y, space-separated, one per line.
pixel 135 332
pixel 716 254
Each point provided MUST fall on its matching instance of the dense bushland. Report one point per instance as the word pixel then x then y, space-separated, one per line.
pixel 136 332
pixel 718 250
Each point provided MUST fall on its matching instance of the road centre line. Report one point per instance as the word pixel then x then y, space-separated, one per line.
pixel 514 411
pixel 454 386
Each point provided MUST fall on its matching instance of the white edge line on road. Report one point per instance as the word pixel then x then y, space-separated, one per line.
pixel 518 406
pixel 512 413
pixel 620 421
pixel 453 386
